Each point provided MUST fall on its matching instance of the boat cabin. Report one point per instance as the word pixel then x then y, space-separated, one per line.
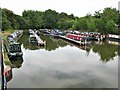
pixel 13 48
pixel 32 39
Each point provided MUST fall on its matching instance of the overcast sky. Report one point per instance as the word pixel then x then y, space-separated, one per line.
pixel 77 7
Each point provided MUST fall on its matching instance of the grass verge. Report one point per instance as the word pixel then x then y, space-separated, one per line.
pixel 4 35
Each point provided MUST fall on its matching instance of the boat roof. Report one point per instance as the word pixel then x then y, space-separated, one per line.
pixel 32 35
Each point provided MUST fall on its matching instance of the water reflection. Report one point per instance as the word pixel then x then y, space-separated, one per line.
pixel 9 77
pixel 85 48
pixel 62 70
pixel 16 62
pixel 106 51
pixel 53 43
pixel 61 64
pixel 25 41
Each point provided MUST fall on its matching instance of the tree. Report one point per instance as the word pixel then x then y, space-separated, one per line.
pixel 10 16
pixel 110 14
pixel 50 19
pixel 100 25
pixel 110 27
pixel 0 18
pixel 34 19
pixel 102 21
pixel 82 23
pixel 98 14
pixel 76 25
pixel 106 21
pixel 6 24
pixel 90 23
pixel 22 24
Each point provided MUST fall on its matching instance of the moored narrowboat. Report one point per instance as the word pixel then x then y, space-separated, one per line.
pixel 113 37
pixel 32 39
pixel 13 48
pixel 31 32
pixel 77 37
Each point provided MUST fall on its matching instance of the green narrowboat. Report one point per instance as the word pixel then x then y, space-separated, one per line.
pixel 13 48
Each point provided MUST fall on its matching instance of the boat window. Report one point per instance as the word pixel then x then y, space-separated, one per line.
pixel 15 48
pixel 33 38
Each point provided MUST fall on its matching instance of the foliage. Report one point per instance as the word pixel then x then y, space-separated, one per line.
pixel 105 21
pixel 0 18
pixel 90 22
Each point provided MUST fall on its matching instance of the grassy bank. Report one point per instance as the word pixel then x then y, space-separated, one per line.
pixel 4 35
pixel 6 59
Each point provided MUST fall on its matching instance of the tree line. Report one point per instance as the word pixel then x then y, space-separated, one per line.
pixel 104 21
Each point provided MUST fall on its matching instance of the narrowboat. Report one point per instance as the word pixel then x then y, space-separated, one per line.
pixel 37 32
pixel 113 37
pixel 77 37
pixel 96 36
pixel 32 39
pixel 31 32
pixel 16 35
pixel 55 33
pixel 12 48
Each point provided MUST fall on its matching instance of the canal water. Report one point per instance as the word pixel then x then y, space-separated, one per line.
pixel 61 64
